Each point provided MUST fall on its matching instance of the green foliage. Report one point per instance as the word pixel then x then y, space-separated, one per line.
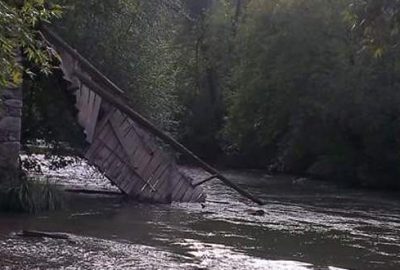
pixel 18 20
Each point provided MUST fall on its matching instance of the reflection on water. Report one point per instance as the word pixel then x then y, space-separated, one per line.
pixel 90 253
pixel 307 225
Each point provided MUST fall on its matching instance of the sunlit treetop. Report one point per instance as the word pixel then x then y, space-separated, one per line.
pixel 18 32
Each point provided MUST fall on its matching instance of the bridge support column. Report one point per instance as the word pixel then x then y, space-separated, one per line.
pixel 10 130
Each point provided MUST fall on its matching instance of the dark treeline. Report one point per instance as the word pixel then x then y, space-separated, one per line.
pixel 298 86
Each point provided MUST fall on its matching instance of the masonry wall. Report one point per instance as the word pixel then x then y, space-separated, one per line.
pixel 10 128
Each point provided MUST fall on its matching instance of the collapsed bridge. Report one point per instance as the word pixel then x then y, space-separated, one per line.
pixel 122 143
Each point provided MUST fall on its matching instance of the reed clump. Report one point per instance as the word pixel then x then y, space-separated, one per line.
pixel 18 193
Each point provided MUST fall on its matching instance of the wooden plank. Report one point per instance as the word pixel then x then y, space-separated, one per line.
pixel 174 178
pixel 187 186
pixel 106 156
pixel 161 182
pixel 82 105
pixel 197 195
pixel 122 176
pixel 101 134
pixel 126 142
pixel 138 147
pixel 159 176
pixel 155 179
pixel 103 121
pixel 117 170
pixel 88 107
pixel 126 129
pixel 136 187
pixel 124 180
pixel 151 165
pixel 92 149
pixel 133 143
pixel 93 117
pixel 140 159
pixel 188 194
pixel 126 176
pixel 150 171
pixel 103 152
pixel 194 194
pixel 177 185
pixel 151 183
pixel 113 168
pixel 134 179
pixel 171 181
pixel 100 156
pixel 143 161
pixel 131 179
pixel 125 159
pixel 109 142
pixel 147 139
pixel 78 95
pixel 130 139
pixel 178 191
pixel 116 129
pixel 168 180
pixel 182 191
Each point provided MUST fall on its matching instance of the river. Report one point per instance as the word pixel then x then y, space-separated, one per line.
pixel 307 225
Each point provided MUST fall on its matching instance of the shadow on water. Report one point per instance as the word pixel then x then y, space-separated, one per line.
pixel 307 225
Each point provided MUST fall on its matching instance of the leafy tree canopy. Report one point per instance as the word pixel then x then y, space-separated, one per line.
pixel 18 20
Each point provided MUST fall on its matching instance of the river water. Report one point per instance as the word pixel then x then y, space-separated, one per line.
pixel 307 225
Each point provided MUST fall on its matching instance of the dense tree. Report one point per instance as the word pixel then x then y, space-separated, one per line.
pixel 307 100
pixel 289 85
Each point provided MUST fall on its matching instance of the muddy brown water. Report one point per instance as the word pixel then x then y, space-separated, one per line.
pixel 307 225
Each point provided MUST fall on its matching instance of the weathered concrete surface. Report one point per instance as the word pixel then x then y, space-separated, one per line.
pixel 10 128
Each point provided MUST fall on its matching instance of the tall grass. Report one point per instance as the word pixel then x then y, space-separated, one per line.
pixel 28 195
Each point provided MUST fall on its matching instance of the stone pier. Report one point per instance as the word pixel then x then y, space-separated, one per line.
pixel 10 128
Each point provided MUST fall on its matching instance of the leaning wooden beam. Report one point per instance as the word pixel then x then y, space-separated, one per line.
pixel 117 98
pixel 206 180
